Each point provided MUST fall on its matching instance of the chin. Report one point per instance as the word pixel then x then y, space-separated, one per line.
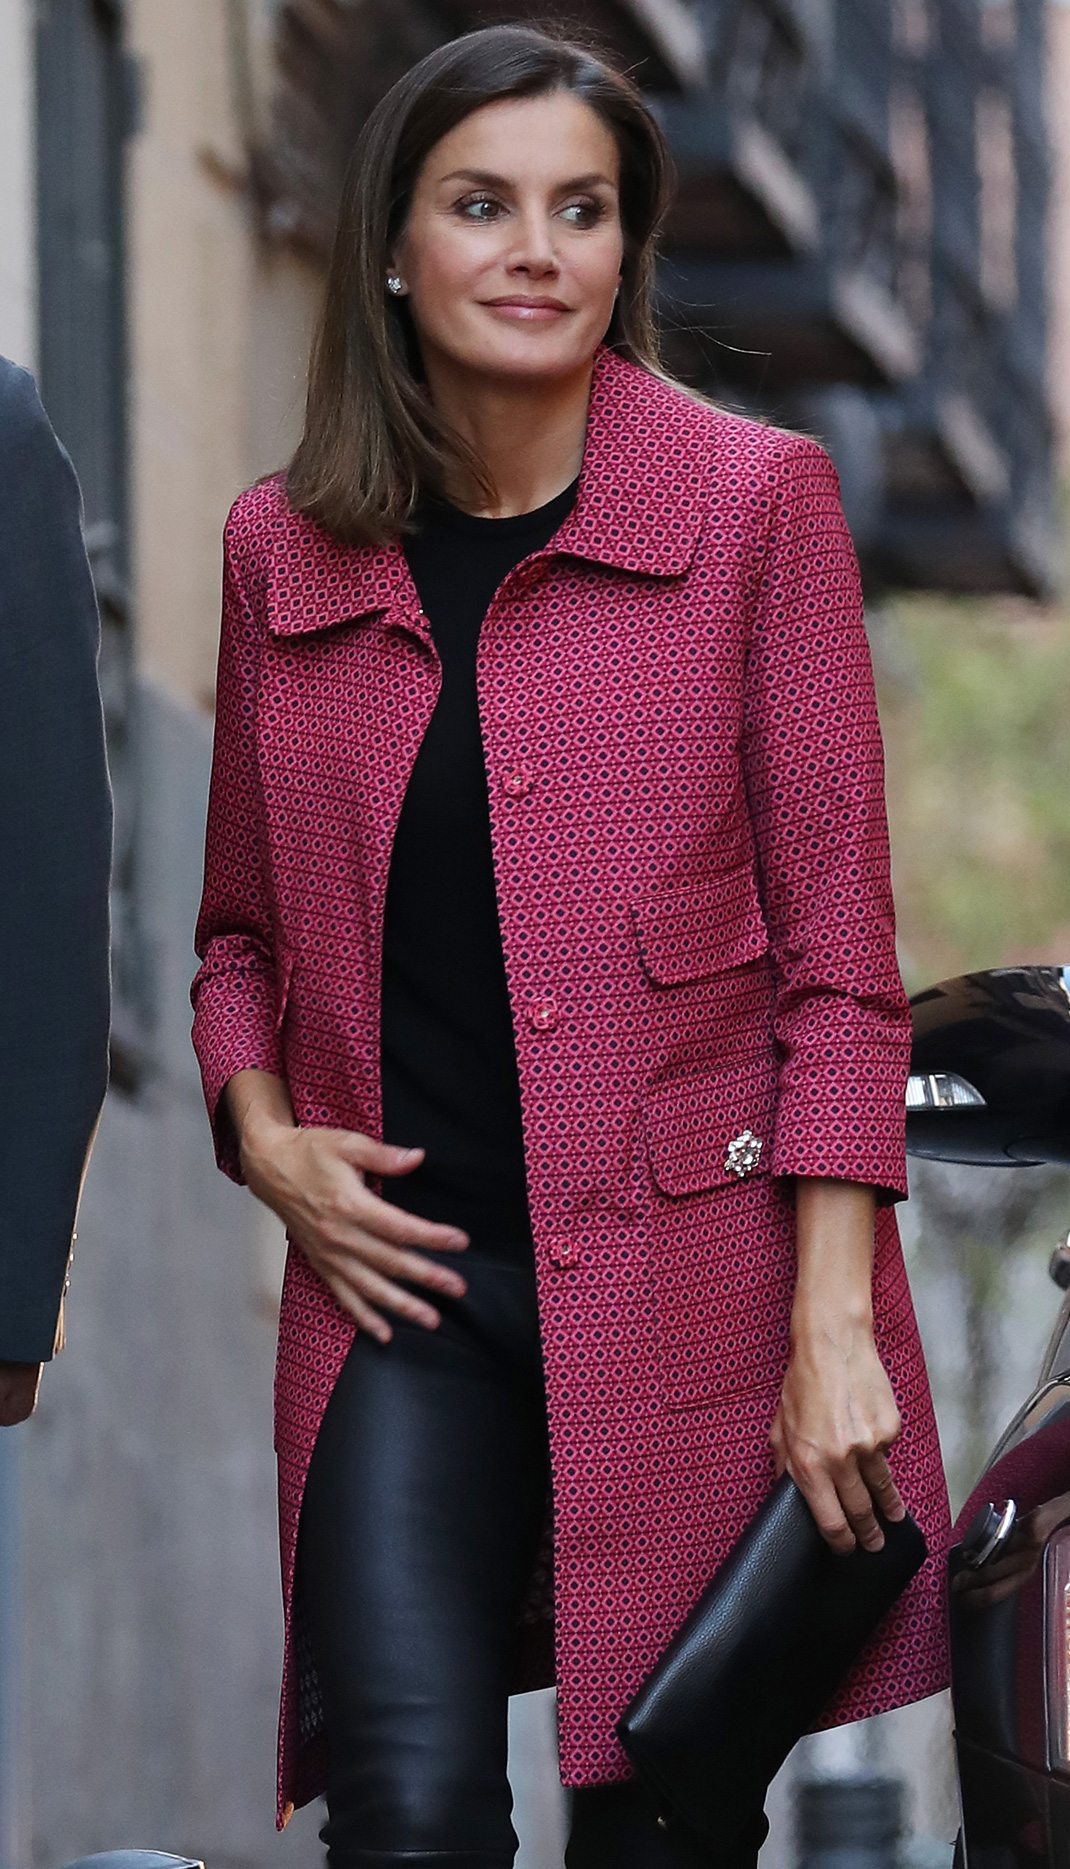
pixel 530 354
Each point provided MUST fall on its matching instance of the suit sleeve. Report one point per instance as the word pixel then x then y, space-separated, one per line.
pixel 237 992
pixel 814 773
pixel 55 860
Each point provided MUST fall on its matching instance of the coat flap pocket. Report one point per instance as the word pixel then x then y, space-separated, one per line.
pixel 710 1130
pixel 692 933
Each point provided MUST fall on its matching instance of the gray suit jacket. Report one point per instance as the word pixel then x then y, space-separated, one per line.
pixel 55 855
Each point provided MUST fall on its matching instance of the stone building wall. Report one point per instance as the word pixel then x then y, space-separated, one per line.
pixel 18 309
pixel 1059 245
pixel 220 325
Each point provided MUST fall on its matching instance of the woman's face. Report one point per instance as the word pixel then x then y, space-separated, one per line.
pixel 512 250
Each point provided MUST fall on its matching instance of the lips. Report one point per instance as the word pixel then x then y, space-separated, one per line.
pixel 536 309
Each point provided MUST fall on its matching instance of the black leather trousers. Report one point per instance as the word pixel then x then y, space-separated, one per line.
pixel 420 1525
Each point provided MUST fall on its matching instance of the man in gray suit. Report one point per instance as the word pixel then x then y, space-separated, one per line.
pixel 55 854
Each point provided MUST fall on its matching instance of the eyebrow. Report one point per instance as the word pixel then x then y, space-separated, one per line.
pixel 486 179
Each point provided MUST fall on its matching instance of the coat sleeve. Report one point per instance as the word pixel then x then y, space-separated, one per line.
pixel 238 989
pixel 814 773
pixel 55 862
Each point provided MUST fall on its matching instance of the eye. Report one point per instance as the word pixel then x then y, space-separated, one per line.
pixel 479 208
pixel 584 213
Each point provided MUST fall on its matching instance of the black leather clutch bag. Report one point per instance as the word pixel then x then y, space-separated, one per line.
pixel 757 1660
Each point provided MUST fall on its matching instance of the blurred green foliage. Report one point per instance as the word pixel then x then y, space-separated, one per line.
pixel 975 708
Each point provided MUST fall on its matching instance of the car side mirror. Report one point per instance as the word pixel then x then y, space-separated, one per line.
pixel 990 1068
pixel 135 1859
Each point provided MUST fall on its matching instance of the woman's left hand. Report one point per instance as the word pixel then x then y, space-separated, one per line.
pixel 834 1424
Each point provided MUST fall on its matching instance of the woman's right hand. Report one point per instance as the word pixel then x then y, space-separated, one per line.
pixel 314 1179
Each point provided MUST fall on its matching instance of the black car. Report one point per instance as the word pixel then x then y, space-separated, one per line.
pixel 990 1083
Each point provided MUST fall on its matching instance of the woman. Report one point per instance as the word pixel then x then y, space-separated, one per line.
pixel 573 957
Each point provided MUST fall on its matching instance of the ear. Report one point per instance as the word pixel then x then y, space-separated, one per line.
pixel 395 269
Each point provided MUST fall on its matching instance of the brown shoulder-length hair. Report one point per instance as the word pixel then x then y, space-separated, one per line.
pixel 372 439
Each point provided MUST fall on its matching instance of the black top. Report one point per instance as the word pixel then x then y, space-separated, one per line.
pixel 450 1081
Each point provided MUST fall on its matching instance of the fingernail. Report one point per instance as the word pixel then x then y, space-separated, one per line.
pixel 875 1543
pixel 458 1239
pixel 897 1513
pixel 408 1155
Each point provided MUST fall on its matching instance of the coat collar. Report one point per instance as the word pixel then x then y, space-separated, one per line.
pixel 643 493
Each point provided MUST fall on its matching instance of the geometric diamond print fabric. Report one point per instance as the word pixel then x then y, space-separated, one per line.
pixel 693 887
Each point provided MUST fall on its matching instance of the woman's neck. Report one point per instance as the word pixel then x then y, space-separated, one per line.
pixel 529 435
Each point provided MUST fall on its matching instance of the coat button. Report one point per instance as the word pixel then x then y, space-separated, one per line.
pixel 517 781
pixel 562 1252
pixel 543 1015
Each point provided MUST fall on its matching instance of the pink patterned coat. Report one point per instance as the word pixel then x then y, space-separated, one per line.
pixel 691 854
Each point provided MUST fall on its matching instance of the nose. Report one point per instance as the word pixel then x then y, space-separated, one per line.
pixel 534 254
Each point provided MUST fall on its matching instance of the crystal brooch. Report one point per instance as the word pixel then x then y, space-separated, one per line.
pixel 744 1154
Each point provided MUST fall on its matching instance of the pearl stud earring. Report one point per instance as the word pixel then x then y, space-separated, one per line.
pixel 393 283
